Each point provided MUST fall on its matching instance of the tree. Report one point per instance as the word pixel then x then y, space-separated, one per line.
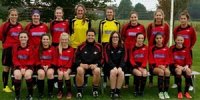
pixel 179 6
pixel 193 9
pixel 125 7
pixel 140 7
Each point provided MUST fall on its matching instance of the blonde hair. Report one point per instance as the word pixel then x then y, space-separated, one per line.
pixel 162 12
pixel 63 35
pixel 11 10
pixel 84 17
pixel 58 8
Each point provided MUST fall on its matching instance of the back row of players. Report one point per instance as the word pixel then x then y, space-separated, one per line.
pixel 89 54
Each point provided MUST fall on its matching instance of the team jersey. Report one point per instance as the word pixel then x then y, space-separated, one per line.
pixel 35 32
pixel 9 34
pixel 115 56
pixel 159 56
pixel 139 56
pixel 78 30
pixel 106 27
pixel 58 27
pixel 47 57
pixel 89 53
pixel 189 35
pixel 23 57
pixel 129 33
pixel 180 56
pixel 66 58
pixel 152 30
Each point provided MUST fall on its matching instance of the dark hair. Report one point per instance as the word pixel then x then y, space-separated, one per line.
pixel 158 33
pixel 91 30
pixel 41 45
pixel 23 32
pixel 133 12
pixel 140 34
pixel 120 44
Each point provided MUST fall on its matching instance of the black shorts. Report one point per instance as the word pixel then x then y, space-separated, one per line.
pixel 7 57
pixel 55 44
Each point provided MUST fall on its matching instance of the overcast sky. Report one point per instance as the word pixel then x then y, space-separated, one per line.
pixel 149 4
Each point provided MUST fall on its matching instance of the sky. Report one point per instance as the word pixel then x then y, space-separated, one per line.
pixel 149 4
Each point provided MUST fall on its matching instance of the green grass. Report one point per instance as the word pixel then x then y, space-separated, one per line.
pixel 127 94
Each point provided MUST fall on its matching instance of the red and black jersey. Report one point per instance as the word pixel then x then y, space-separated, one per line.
pixel 89 53
pixel 47 57
pixel 66 58
pixel 129 33
pixel 35 33
pixel 23 57
pixel 9 34
pixel 115 56
pixel 180 56
pixel 159 56
pixel 152 30
pixel 139 56
pixel 189 35
pixel 58 27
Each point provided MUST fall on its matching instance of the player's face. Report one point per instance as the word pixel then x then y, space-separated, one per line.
pixel 158 16
pixel 59 14
pixel 109 14
pixel 183 20
pixel 115 38
pixel 65 40
pixel 45 41
pixel 23 38
pixel 36 17
pixel 140 39
pixel 90 36
pixel 80 12
pixel 159 39
pixel 179 41
pixel 134 19
pixel 13 16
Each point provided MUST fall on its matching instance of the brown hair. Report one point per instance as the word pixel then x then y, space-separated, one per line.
pixel 41 48
pixel 162 12
pixel 120 43
pixel 185 13
pixel 10 10
pixel 133 12
pixel 81 5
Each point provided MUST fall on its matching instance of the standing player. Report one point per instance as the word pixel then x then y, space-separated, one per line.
pixel 138 60
pixel 36 29
pixel 116 56
pixel 58 26
pixel 65 59
pixel 9 32
pixel 188 32
pixel 129 32
pixel 159 60
pixel 159 25
pixel 79 26
pixel 45 62
pixel 106 27
pixel 181 61
pixel 23 62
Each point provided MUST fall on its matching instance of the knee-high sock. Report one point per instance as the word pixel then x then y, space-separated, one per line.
pixel 5 78
pixel 187 83
pixel 160 83
pixel 50 85
pixel 60 84
pixel 68 85
pixel 166 84
pixel 17 84
pixel 136 80
pixel 29 83
pixel 143 83
pixel 179 82
pixel 40 84
pixel 126 80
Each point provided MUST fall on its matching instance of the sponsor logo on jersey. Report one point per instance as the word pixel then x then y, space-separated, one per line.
pixel 22 57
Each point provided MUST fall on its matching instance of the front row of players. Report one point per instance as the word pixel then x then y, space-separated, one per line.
pixel 46 60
